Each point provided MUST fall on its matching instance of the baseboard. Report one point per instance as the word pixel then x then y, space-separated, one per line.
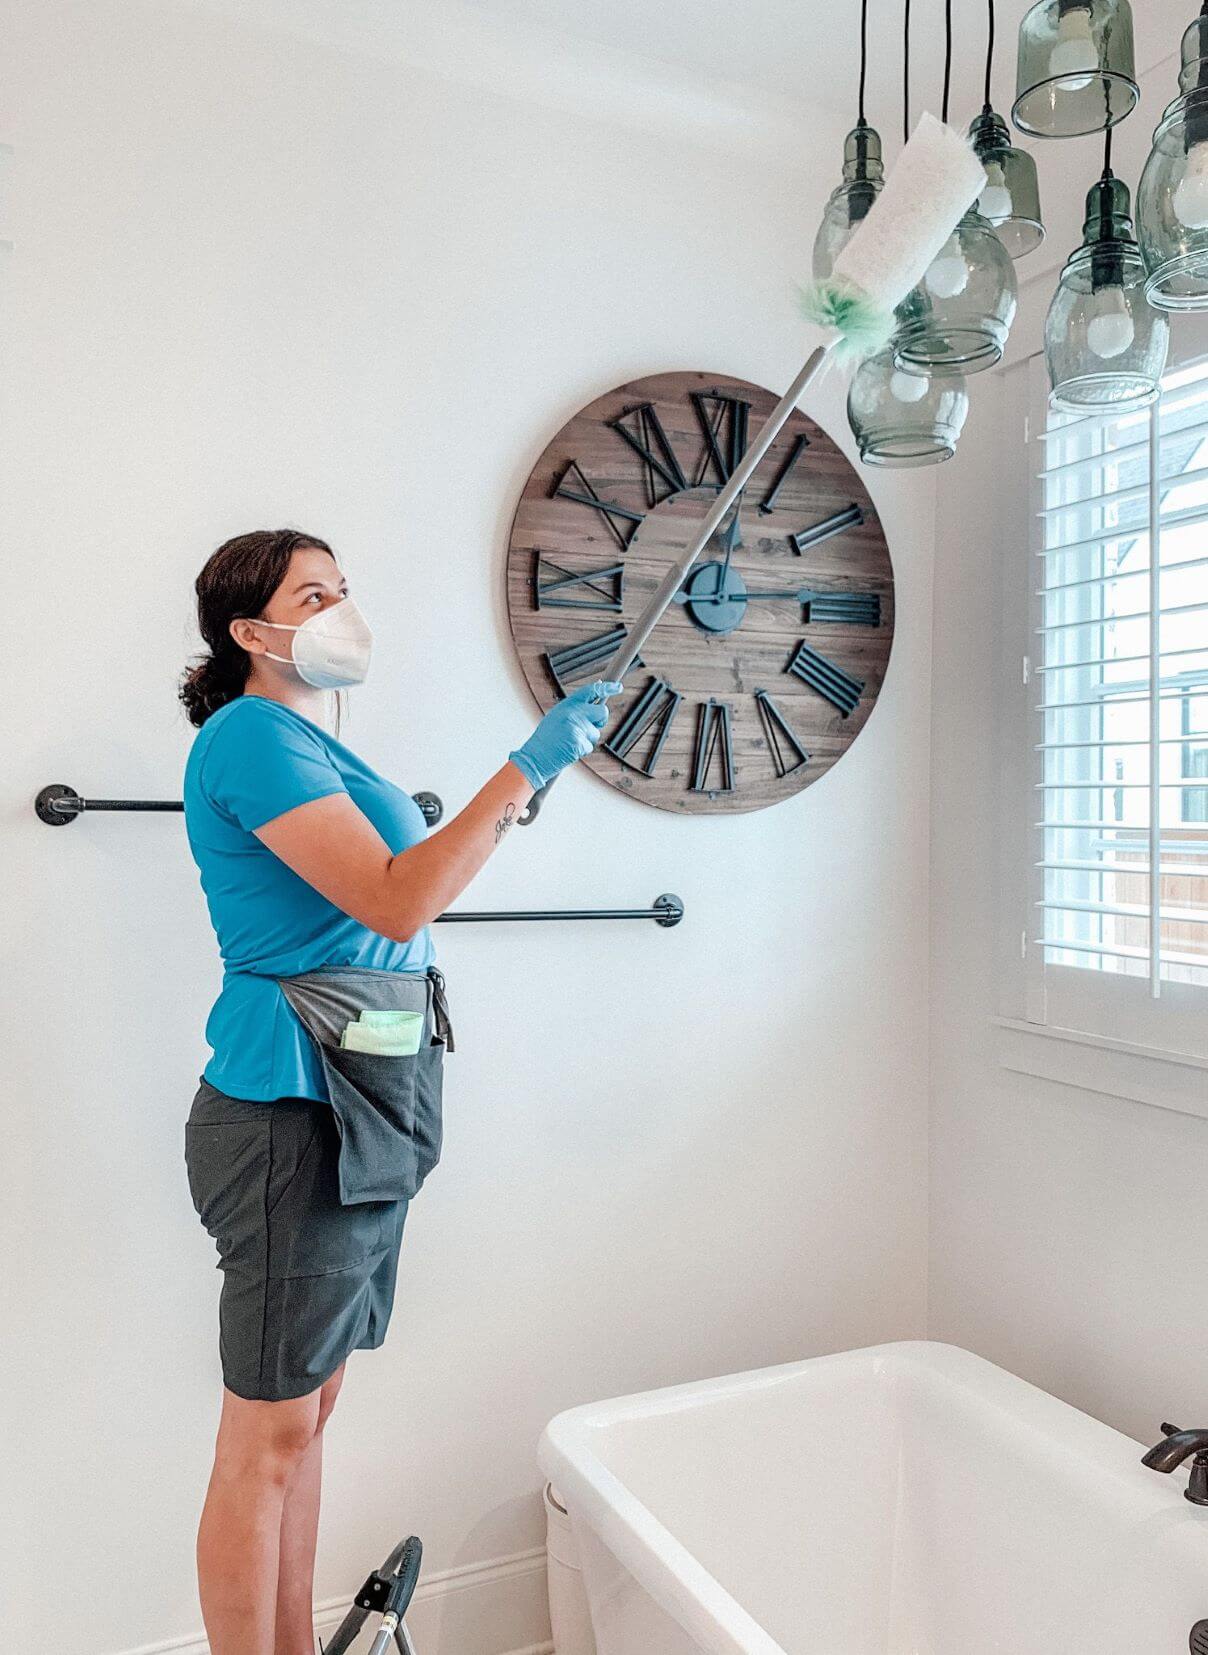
pixel 499 1607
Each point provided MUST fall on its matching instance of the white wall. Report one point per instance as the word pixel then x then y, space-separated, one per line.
pixel 260 280
pixel 1068 1228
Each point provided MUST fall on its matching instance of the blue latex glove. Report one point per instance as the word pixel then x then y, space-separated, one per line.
pixel 569 731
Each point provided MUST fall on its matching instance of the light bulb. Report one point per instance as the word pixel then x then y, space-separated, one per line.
pixel 1190 199
pixel 1075 53
pixel 904 387
pixel 1110 330
pixel 948 274
pixel 995 203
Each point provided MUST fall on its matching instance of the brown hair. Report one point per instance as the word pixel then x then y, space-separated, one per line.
pixel 238 580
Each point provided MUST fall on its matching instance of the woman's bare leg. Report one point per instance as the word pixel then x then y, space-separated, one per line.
pixel 299 1531
pixel 259 1447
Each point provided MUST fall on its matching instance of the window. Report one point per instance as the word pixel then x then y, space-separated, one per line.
pixel 1115 938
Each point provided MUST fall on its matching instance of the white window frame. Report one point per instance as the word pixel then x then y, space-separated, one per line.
pixel 1130 1036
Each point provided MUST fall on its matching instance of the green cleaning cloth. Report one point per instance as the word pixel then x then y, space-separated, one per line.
pixel 388 1034
pixel 390 1019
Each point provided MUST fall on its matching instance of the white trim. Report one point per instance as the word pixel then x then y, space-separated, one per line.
pixel 1099 1063
pixel 470 1607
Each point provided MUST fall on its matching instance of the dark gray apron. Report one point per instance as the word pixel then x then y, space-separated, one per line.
pixel 387 1109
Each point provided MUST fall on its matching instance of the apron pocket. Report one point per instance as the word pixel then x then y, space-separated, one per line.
pixel 374 1101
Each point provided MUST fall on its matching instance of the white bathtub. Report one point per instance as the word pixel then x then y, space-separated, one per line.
pixel 907 1499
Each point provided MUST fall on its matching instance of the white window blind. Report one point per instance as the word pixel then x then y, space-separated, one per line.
pixel 1118 688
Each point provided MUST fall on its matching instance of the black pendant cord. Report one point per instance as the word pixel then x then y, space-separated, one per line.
pixel 864 56
pixel 947 55
pixel 990 57
pixel 1107 149
pixel 906 72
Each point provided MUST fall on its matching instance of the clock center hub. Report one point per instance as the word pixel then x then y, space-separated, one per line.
pixel 715 597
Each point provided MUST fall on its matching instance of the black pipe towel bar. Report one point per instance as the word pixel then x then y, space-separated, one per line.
pixel 58 804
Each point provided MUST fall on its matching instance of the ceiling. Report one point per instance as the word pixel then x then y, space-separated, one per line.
pixel 809 49
pixel 727 72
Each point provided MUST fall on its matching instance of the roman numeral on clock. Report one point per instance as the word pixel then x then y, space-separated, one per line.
pixel 832 525
pixel 830 681
pixel 782 743
pixel 724 421
pixel 800 444
pixel 851 608
pixel 650 443
pixel 713 741
pixel 579 660
pixel 653 713
pixel 591 589
pixel 620 520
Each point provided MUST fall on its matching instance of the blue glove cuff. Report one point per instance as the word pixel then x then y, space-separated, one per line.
pixel 528 769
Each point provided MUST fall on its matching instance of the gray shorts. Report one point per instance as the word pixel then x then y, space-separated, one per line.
pixel 306 1280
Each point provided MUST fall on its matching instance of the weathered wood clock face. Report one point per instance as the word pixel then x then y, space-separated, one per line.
pixel 767 664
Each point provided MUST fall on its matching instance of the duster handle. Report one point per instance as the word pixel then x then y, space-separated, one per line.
pixel 671 582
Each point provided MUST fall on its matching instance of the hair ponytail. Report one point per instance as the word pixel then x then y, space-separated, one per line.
pixel 238 580
pixel 213 681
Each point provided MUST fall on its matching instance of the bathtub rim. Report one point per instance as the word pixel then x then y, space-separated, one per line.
pixel 682 1585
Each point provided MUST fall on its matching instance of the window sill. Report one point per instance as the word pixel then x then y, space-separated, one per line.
pixel 1096 1063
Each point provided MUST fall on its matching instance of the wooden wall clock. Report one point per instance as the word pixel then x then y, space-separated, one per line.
pixel 768 663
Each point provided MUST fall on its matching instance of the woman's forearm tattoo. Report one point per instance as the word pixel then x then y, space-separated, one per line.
pixel 504 822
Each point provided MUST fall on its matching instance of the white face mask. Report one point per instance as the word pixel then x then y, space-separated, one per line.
pixel 331 649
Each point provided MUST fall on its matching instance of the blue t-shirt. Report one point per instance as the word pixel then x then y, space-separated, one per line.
pixel 252 760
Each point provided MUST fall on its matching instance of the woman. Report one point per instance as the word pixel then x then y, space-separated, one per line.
pixel 321 881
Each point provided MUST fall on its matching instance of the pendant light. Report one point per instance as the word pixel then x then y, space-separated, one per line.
pixel 1172 196
pixel 1075 70
pixel 904 419
pixel 1104 343
pixel 900 417
pixel 1011 198
pixel 956 321
pixel 863 176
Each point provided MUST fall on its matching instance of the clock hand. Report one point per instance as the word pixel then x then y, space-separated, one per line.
pixel 802 596
pixel 849 608
pixel 720 596
pixel 728 537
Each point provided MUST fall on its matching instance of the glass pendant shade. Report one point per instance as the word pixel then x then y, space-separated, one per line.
pixel 957 319
pixel 1075 72
pixel 1172 196
pixel 1011 198
pixel 1104 343
pixel 904 419
pixel 863 177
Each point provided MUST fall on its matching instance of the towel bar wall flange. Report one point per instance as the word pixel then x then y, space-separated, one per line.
pixel 59 804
